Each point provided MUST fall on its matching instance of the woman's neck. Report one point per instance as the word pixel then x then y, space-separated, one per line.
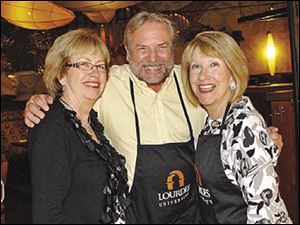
pixel 217 111
pixel 82 109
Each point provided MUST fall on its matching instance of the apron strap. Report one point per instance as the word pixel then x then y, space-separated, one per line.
pixel 184 108
pixel 137 124
pixel 224 118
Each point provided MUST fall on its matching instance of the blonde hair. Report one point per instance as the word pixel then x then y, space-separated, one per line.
pixel 64 47
pixel 139 19
pixel 223 46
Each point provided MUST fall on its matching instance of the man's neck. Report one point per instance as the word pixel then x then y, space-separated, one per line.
pixel 156 87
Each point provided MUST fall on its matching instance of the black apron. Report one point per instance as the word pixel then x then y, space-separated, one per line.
pixel 220 201
pixel 164 186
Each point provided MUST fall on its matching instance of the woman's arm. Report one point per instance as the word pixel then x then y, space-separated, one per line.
pixel 50 173
pixel 256 156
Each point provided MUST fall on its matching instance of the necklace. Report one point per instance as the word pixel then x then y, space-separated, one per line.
pixel 86 125
pixel 88 122
pixel 89 129
pixel 116 190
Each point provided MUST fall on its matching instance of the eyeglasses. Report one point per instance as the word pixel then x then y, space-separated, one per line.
pixel 86 66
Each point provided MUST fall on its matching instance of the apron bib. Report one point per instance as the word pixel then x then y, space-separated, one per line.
pixel 220 201
pixel 164 187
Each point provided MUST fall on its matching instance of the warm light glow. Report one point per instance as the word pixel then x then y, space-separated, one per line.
pixel 271 53
pixel 36 15
pixel 100 16
pixel 95 6
pixel 181 21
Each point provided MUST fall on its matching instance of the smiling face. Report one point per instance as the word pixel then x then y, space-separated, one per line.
pixel 85 86
pixel 150 53
pixel 210 79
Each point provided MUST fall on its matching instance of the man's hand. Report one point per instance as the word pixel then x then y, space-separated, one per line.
pixel 277 138
pixel 33 112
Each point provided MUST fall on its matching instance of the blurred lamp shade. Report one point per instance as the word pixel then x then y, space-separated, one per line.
pixel 100 16
pixel 95 6
pixel 36 15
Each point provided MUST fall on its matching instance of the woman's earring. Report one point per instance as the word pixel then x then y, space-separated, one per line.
pixel 232 85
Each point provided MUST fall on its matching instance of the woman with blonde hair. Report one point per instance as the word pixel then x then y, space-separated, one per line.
pixel 235 156
pixel 77 176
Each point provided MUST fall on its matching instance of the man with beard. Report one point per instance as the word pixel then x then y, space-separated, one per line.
pixel 148 119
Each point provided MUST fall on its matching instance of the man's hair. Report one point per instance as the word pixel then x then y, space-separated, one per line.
pixel 139 19
pixel 219 45
pixel 72 43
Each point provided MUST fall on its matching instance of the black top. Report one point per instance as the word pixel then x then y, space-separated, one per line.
pixel 67 179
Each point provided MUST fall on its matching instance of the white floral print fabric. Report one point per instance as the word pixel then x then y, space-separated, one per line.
pixel 249 157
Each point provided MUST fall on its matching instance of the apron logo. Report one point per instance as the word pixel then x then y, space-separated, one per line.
pixel 175 193
pixel 170 182
pixel 204 192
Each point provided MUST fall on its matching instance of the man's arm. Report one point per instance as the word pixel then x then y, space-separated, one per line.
pixel 35 106
pixel 33 114
pixel 276 137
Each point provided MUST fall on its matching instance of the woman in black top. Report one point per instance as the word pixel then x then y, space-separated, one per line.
pixel 77 176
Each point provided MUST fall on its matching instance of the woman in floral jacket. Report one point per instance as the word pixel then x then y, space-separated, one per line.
pixel 235 155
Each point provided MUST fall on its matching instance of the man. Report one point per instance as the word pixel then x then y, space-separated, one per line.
pixel 148 119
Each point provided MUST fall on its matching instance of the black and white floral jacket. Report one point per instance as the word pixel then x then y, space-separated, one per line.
pixel 249 156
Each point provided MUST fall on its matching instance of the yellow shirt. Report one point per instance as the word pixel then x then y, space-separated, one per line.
pixel 161 117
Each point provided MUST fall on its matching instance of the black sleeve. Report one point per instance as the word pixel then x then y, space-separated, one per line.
pixel 50 173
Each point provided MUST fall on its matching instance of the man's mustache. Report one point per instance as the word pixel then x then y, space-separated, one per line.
pixel 153 64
